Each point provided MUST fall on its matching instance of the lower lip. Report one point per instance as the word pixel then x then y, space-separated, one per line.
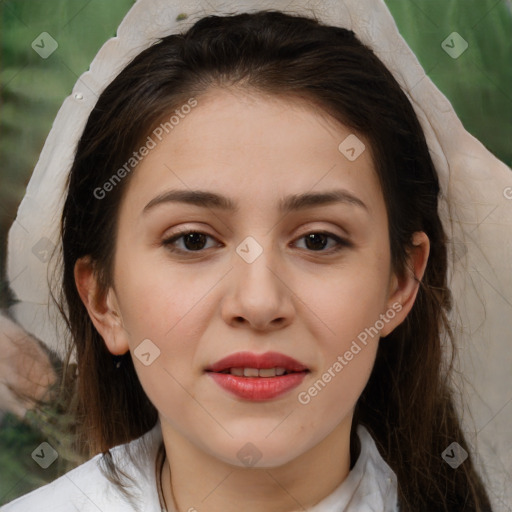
pixel 258 388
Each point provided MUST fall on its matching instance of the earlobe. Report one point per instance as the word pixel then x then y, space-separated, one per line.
pixel 101 306
pixel 403 290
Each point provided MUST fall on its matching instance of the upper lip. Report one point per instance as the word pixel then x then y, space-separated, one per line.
pixel 259 361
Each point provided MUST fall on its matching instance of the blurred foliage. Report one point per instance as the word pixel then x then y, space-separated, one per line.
pixel 478 84
pixel 19 440
pixel 32 88
pixel 18 471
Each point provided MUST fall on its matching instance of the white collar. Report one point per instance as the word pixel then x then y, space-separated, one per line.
pixel 371 485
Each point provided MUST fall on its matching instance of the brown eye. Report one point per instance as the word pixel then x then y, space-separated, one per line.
pixel 317 241
pixel 192 241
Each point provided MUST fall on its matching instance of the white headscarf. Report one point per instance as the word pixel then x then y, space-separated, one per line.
pixel 475 207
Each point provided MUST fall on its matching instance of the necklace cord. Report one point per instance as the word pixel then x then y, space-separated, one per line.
pixel 161 456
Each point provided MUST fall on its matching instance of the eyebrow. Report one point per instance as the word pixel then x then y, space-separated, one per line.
pixel 293 202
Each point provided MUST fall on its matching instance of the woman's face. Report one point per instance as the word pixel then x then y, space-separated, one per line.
pixel 312 281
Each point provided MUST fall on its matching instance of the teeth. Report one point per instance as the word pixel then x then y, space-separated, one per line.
pixel 254 372
pixel 267 372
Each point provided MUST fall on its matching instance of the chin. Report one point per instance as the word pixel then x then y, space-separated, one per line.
pixel 259 453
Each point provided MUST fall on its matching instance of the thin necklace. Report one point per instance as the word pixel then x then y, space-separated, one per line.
pixel 160 478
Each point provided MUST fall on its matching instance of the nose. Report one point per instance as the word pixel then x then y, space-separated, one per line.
pixel 259 296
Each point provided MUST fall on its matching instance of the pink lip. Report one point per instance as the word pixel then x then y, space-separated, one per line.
pixel 257 388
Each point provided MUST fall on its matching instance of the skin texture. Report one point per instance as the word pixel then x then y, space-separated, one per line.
pixel 307 302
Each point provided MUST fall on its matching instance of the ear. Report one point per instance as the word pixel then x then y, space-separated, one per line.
pixel 102 307
pixel 403 290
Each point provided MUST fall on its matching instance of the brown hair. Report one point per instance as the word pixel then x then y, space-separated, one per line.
pixel 408 404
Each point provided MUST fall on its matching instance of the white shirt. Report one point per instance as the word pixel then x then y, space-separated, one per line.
pixel 370 486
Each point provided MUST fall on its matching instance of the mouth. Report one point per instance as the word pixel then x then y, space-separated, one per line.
pixel 255 372
pixel 257 377
pixel 251 364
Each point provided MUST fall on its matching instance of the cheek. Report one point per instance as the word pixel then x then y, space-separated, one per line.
pixel 347 341
pixel 156 298
pixel 170 304
pixel 162 311
pixel 345 301
pixel 168 313
pixel 349 303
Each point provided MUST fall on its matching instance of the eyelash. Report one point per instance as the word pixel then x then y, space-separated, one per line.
pixel 341 242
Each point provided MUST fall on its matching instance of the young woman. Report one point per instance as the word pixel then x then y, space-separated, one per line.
pixel 251 228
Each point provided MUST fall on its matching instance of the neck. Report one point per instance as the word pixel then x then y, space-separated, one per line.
pixel 193 480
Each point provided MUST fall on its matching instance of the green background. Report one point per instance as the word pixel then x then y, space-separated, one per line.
pixel 478 84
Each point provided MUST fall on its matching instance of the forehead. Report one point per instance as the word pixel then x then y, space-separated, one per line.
pixel 254 145
pixel 229 118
